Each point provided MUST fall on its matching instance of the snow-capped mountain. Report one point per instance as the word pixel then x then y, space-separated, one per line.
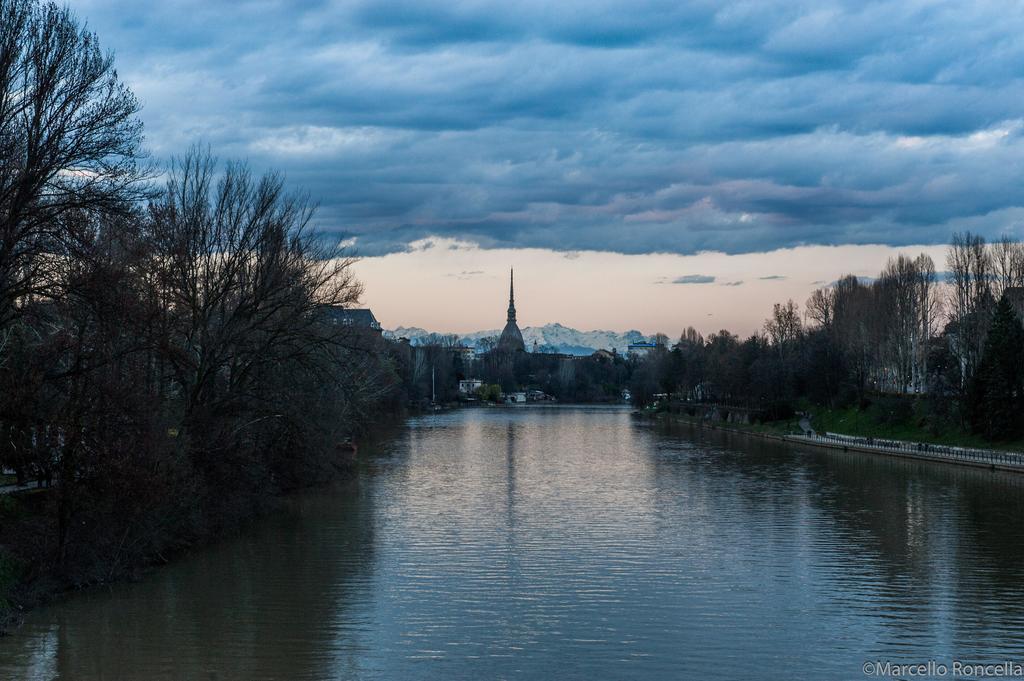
pixel 548 338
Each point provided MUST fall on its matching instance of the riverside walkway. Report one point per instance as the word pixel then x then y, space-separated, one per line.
pixel 964 456
pixel 983 458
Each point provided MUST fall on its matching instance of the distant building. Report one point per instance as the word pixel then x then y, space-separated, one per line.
pixel 469 386
pixel 641 349
pixel 516 397
pixel 511 339
pixel 466 353
pixel 355 317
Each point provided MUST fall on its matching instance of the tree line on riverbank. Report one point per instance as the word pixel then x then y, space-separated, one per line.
pixel 937 349
pixel 589 379
pixel 431 370
pixel 168 359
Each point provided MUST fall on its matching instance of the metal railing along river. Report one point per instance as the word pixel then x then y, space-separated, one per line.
pixel 923 449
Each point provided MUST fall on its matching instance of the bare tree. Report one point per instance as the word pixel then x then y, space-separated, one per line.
pixel 856 328
pixel 156 361
pixel 928 307
pixel 897 298
pixel 1007 265
pixel 690 337
pixel 783 328
pixel 970 299
pixel 69 141
pixel 244 285
pixel 820 307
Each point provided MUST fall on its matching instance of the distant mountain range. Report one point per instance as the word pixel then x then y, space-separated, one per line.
pixel 548 338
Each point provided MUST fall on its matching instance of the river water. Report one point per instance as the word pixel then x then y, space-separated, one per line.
pixel 574 543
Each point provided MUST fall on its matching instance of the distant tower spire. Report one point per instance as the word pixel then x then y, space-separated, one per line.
pixel 511 296
pixel 511 339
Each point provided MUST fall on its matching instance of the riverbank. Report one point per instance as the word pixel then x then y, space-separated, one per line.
pixel 978 458
pixel 31 574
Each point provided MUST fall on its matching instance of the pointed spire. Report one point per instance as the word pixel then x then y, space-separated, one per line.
pixel 511 296
pixel 511 339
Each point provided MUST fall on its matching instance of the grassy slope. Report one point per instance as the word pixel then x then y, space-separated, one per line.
pixel 878 421
pixel 867 423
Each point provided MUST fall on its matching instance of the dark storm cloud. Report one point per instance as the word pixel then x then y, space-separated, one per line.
pixel 642 127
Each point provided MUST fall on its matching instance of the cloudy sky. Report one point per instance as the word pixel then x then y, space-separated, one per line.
pixel 600 146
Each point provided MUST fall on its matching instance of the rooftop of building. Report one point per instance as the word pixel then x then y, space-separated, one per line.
pixel 362 317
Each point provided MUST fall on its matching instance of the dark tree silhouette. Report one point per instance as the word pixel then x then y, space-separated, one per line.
pixel 996 394
pixel 69 142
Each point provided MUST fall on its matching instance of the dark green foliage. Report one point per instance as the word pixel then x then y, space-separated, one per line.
pixel 891 410
pixel 778 411
pixel 995 398
pixel 824 374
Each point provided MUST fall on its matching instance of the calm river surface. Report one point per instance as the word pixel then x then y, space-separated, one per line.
pixel 574 543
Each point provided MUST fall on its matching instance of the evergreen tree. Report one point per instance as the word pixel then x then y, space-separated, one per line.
pixel 995 400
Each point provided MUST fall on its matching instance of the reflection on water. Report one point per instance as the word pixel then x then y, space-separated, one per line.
pixel 575 543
